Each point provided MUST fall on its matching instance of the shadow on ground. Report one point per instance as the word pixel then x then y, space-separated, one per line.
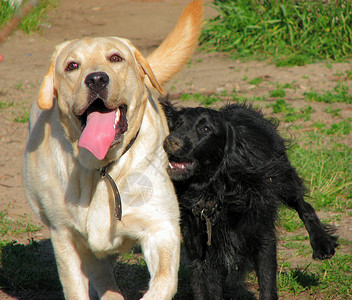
pixel 28 272
pixel 27 269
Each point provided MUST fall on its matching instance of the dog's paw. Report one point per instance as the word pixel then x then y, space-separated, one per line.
pixel 324 246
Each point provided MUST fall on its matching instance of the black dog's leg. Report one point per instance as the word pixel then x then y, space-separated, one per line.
pixel 266 268
pixel 321 237
pixel 235 286
pixel 206 281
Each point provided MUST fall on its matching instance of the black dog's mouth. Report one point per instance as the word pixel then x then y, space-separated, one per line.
pixel 102 127
pixel 180 170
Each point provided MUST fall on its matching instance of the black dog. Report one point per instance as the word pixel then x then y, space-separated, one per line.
pixel 231 172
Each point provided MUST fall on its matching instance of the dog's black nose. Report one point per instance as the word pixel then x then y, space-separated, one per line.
pixel 97 81
pixel 172 144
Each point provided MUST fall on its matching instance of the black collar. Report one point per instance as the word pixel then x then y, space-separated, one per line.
pixel 104 174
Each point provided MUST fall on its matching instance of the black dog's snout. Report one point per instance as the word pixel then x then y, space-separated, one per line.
pixel 97 81
pixel 172 143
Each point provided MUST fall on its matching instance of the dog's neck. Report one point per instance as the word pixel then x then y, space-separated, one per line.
pixel 207 213
pixel 104 174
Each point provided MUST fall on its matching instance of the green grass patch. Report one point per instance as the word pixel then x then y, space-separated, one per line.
pixel 338 129
pixel 5 104
pixel 9 226
pixel 330 279
pixel 340 94
pixel 332 111
pixel 296 281
pixel 289 32
pixel 278 93
pixel 326 170
pixel 206 100
pixel 33 20
pixel 256 81
pixel 291 113
pixel 337 273
pixel 225 97
pixel 24 118
pixel 289 220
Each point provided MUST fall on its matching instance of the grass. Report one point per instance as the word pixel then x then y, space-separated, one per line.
pixel 33 21
pixel 326 170
pixel 10 227
pixel 340 94
pixel 290 113
pixel 203 99
pixel 332 111
pixel 296 281
pixel 5 104
pixel 256 81
pixel 278 93
pixel 288 32
pixel 23 118
pixel 340 128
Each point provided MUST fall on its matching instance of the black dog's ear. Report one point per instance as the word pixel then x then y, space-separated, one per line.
pixel 169 110
pixel 240 151
pixel 253 147
pixel 230 140
pixel 235 155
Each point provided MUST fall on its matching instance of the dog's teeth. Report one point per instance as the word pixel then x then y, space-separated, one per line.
pixel 171 166
pixel 117 118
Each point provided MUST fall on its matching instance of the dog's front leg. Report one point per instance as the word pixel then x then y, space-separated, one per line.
pixel 206 280
pixel 78 267
pixel 102 278
pixel 161 249
pixel 73 276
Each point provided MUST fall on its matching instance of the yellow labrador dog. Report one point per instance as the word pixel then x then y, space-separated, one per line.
pixel 94 168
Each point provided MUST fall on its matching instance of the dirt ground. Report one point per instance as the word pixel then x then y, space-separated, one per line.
pixel 145 23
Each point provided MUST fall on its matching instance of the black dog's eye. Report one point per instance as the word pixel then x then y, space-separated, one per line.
pixel 116 58
pixel 205 129
pixel 72 66
pixel 176 125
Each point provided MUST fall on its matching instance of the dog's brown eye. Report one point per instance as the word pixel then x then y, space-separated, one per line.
pixel 72 66
pixel 115 58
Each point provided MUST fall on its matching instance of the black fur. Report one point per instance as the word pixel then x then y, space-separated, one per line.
pixel 231 172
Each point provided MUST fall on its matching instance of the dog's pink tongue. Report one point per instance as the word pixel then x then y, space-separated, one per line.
pixel 99 133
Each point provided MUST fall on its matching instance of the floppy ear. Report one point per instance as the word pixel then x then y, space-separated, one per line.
pixel 45 99
pixel 47 90
pixel 148 70
pixel 230 140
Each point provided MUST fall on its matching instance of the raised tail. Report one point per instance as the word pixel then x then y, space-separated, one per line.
pixel 175 51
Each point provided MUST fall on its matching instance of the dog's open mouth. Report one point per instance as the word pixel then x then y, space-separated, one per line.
pixel 102 127
pixel 178 170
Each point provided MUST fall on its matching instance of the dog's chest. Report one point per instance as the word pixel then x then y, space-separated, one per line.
pixel 142 197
